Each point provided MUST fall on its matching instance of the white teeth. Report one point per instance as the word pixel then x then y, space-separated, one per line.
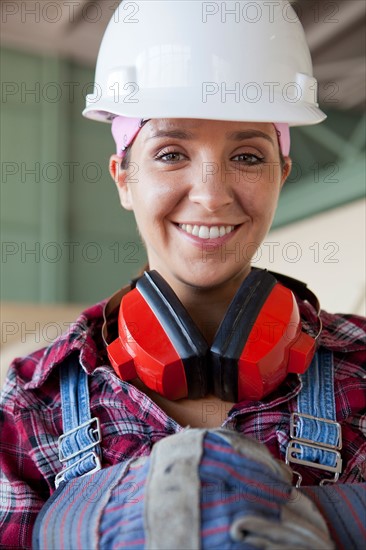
pixel 214 232
pixel 205 232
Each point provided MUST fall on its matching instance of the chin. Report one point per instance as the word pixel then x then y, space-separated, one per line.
pixel 213 277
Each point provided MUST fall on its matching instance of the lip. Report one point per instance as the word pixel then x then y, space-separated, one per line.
pixel 198 242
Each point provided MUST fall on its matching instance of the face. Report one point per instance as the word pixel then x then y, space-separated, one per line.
pixel 204 194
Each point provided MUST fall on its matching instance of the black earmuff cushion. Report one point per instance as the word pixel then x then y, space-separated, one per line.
pixel 185 337
pixel 234 331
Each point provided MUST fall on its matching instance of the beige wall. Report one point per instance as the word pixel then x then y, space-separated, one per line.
pixel 327 252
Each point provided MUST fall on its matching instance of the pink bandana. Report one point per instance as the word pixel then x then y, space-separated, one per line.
pixel 125 129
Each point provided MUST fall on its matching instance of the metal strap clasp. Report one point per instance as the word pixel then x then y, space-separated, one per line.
pixel 61 475
pixel 296 446
pixel 85 450
pixel 96 433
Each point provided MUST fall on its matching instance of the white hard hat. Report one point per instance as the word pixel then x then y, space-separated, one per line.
pixel 241 61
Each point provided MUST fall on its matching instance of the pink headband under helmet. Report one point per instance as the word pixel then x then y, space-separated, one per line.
pixel 125 129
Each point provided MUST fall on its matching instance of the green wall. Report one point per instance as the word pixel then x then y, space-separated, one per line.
pixel 64 236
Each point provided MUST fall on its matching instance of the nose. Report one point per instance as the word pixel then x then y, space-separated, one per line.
pixel 211 187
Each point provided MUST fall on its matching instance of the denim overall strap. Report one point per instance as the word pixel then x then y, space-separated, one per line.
pixel 79 449
pixel 316 436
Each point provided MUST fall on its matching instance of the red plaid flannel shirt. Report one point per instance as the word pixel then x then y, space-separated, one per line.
pixel 31 419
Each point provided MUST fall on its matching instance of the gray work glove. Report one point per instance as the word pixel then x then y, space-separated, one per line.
pixel 219 489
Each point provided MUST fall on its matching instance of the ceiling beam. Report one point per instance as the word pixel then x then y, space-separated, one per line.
pixel 349 13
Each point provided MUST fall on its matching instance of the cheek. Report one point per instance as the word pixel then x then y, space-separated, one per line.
pixel 258 200
pixel 153 197
pixel 265 189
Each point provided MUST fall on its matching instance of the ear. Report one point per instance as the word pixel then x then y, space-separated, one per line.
pixel 286 170
pixel 119 176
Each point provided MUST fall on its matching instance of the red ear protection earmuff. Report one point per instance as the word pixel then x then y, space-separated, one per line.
pixel 168 351
pixel 259 341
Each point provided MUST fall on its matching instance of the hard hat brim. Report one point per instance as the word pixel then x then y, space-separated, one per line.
pixel 148 106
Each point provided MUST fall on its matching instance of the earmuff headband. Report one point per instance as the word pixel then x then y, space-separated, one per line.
pixel 234 331
pixel 184 336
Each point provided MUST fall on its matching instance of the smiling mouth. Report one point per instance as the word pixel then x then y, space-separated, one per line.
pixel 205 232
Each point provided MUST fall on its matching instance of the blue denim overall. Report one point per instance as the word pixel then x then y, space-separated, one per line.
pixel 89 496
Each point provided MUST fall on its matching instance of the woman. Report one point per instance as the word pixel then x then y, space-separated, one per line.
pixel 201 162
pixel 192 224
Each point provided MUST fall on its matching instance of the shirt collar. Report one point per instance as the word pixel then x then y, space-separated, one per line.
pixel 81 337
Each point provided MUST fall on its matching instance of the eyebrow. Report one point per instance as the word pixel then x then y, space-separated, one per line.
pixel 239 135
pixel 247 134
pixel 179 134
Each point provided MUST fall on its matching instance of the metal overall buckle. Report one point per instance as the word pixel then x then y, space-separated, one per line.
pixel 91 454
pixel 294 449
